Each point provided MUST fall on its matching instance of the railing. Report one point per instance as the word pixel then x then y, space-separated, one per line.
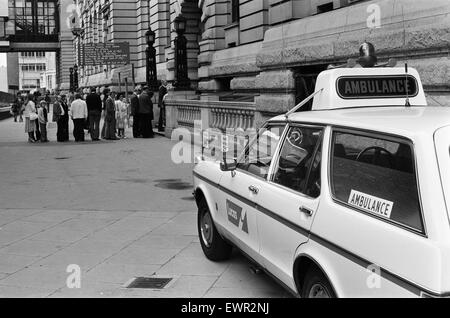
pixel 187 115
pixel 223 118
pixel 211 114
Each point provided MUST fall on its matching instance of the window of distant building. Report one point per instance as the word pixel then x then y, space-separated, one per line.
pixel 235 15
pixel 32 54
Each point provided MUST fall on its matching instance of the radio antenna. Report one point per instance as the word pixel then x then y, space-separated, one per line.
pixel 407 103
pixel 302 103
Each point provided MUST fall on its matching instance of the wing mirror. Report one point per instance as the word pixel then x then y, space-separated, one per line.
pixel 228 165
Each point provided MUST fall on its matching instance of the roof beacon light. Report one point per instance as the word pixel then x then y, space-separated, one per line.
pixel 367 57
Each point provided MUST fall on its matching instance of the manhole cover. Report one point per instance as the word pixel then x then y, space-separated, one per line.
pixel 149 283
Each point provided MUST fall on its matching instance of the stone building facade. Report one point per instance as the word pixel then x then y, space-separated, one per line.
pixel 269 52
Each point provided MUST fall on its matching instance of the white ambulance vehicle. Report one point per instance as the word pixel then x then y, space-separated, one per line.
pixel 351 199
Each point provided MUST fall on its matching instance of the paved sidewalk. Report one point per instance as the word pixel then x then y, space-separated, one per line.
pixel 116 209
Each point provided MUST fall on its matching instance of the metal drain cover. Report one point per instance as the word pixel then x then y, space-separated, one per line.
pixel 149 283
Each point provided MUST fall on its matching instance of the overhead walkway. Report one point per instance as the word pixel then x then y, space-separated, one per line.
pixel 31 25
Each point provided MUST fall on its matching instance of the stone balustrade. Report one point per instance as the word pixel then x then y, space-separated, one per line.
pixel 187 115
pixel 210 114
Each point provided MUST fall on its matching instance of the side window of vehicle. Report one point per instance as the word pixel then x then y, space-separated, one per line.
pixel 377 176
pixel 298 166
pixel 258 156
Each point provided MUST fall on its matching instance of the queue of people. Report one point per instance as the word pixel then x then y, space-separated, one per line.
pixel 86 112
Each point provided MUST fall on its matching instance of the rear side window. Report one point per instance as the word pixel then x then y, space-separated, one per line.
pixel 377 176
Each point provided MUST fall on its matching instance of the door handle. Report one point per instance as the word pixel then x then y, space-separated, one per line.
pixel 253 189
pixel 307 211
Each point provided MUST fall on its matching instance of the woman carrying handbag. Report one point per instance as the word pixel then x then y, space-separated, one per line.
pixel 31 116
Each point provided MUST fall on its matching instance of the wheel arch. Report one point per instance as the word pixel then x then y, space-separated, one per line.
pixel 302 264
pixel 202 193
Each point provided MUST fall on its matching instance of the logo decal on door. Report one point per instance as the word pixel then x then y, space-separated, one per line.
pixel 236 217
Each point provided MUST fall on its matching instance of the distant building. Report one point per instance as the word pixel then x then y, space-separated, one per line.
pixel 3 79
pixel 267 52
pixel 38 25
pixel 48 77
pixel 36 70
pixel 13 72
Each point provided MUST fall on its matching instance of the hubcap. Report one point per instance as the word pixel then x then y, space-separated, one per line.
pixel 318 291
pixel 207 229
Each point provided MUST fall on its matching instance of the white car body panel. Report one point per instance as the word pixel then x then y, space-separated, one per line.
pixel 344 242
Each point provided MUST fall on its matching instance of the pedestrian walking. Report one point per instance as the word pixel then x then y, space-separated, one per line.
pixel 94 105
pixel 21 109
pixel 121 116
pixel 134 111
pixel 43 119
pixel 58 117
pixel 79 113
pixel 36 100
pixel 71 97
pixel 146 113
pixel 110 116
pixel 48 100
pixel 161 105
pixel 16 107
pixel 103 97
pixel 30 115
pixel 64 119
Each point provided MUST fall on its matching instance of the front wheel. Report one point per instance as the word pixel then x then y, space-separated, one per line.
pixel 213 245
pixel 317 285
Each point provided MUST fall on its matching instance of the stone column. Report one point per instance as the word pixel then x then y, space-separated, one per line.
pixel 13 72
pixel 215 18
pixel 65 58
pixel 277 94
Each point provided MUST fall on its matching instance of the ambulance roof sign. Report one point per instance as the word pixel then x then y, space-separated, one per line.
pixel 368 87
pixel 389 86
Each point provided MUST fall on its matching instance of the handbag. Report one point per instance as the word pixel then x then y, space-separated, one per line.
pixel 130 122
pixel 33 116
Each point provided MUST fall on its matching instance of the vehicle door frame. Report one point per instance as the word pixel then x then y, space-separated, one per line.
pixel 246 200
pixel 286 275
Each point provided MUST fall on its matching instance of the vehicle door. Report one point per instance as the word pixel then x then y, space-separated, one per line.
pixel 372 208
pixel 288 203
pixel 241 187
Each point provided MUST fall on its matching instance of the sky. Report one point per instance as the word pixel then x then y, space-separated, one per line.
pixel 2 59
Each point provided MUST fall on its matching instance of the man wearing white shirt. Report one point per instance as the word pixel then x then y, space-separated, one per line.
pixel 79 114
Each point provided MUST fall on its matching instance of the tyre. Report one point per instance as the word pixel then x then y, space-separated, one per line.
pixel 213 245
pixel 316 285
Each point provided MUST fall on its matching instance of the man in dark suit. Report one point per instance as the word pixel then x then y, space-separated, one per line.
pixel 162 107
pixel 135 113
pixel 94 105
pixel 146 113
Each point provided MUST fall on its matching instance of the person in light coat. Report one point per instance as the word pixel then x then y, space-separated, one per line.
pixel 30 125
pixel 79 114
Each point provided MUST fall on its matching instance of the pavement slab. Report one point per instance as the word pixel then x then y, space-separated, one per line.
pixel 118 210
pixel 29 247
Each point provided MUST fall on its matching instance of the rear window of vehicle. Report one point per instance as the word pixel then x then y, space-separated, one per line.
pixel 376 175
